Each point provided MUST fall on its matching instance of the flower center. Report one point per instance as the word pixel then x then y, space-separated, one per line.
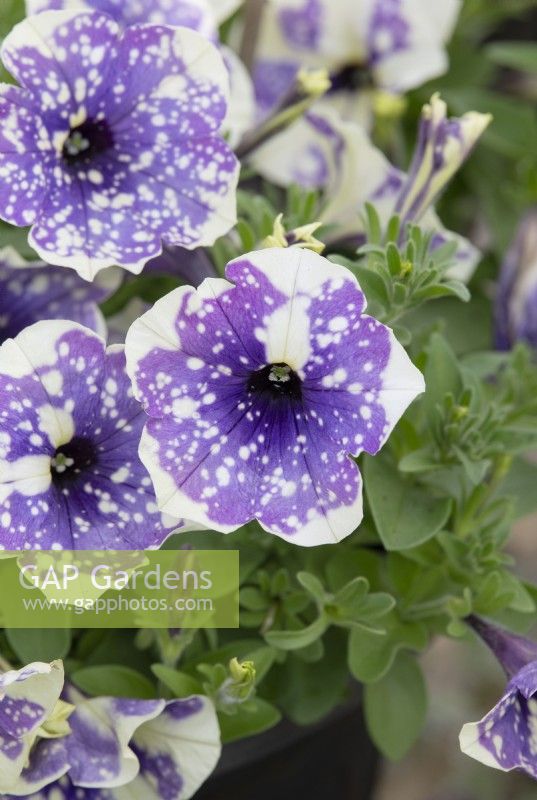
pixel 86 141
pixel 276 380
pixel 71 459
pixel 351 78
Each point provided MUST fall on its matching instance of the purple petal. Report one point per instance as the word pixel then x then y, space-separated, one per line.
pixel 69 428
pixel 25 157
pixel 220 444
pixel 177 750
pixel 36 291
pixel 27 698
pixel 194 14
pixel 98 746
pixel 505 737
pixel 130 151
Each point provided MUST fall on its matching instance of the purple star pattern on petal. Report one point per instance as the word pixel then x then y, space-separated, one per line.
pixel 302 26
pixel 69 429
pixel 47 763
pixel 388 30
pixel 121 749
pixel 177 750
pixel 258 389
pixel 394 45
pixel 112 144
pixel 97 747
pixel 27 698
pixel 30 292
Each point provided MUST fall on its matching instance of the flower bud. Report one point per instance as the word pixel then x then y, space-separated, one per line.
pixel 516 300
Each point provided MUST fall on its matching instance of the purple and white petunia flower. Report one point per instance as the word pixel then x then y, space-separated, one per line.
pixel 374 50
pixel 28 699
pixel 199 15
pixel 119 749
pixel 258 390
pixel 516 299
pixel 70 477
pixel 340 156
pixel 506 738
pixel 395 45
pixel 111 145
pixel 32 291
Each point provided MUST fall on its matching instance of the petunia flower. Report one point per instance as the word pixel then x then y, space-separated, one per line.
pixel 395 45
pixel 117 749
pixel 258 390
pixel 341 157
pixel 29 699
pixel 506 737
pixel 111 144
pixel 374 50
pixel 32 291
pixel 516 299
pixel 70 477
pixel 202 16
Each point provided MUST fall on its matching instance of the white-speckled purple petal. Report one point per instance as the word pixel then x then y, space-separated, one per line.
pixel 26 157
pixel 34 291
pixel 406 41
pixel 195 14
pixel 177 751
pixel 128 133
pixel 27 698
pixel 69 429
pixel 98 745
pixel 172 748
pixel 47 763
pixel 505 738
pixel 230 436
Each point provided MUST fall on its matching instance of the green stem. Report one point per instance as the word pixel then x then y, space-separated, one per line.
pixel 481 495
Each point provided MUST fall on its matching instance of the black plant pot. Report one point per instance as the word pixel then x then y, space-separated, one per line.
pixel 332 760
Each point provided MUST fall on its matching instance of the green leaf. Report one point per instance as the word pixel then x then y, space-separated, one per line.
pixel 179 683
pixel 516 55
pixel 253 717
pixel 370 655
pixel 374 228
pixel 442 375
pixel 312 585
pixel 323 685
pixel 253 599
pixel 113 680
pixel 395 707
pixel 421 460
pixel 294 640
pixel 520 484
pixel 449 288
pixel 353 592
pixel 405 514
pixel 39 644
